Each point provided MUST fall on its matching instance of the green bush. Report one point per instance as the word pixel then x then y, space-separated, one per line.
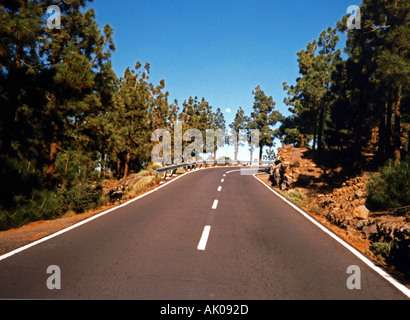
pixel 390 187
pixel 381 250
pixel 43 205
pixel 25 198
pixel 80 198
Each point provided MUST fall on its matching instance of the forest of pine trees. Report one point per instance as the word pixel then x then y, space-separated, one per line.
pixel 67 121
pixel 359 105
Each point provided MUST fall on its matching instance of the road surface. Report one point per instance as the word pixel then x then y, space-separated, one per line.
pixel 211 234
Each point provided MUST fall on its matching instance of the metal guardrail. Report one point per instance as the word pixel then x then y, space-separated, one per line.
pixel 193 165
pixel 189 165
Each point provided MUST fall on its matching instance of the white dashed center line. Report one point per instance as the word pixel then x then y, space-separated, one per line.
pixel 205 234
pixel 204 238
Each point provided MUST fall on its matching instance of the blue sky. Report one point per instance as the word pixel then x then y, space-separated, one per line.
pixel 219 50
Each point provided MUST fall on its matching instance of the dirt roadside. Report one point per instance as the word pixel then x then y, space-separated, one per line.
pixel 16 238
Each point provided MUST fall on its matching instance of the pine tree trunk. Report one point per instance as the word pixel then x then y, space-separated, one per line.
pixel 127 160
pixel 302 141
pixel 314 137
pixel 260 154
pixel 320 133
pixel 127 165
pixel 118 166
pixel 388 131
pixel 408 145
pixel 382 137
pixel 236 150
pixel 397 128
pixel 102 166
pixel 53 156
pixel 19 46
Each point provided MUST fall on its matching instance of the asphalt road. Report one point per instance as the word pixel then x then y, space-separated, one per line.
pixel 197 238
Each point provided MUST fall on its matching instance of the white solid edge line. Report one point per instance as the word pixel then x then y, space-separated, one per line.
pixel 364 259
pixel 54 235
pixel 204 238
pixel 215 205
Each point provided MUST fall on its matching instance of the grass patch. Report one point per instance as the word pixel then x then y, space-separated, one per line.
pixel 295 197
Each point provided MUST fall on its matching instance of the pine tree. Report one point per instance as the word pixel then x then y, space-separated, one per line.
pixel 311 96
pixel 48 78
pixel 264 117
pixel 218 125
pixel 21 96
pixel 240 123
pixel 131 121
pixel 301 124
pixel 73 56
pixel 378 65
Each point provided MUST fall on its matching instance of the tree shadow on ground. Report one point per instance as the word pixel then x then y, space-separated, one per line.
pixel 335 168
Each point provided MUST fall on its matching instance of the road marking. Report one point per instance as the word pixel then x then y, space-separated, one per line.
pixel 358 254
pixel 224 175
pixel 219 188
pixel 222 180
pixel 204 238
pixel 215 205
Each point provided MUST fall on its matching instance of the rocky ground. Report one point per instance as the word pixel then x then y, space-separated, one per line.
pixel 339 202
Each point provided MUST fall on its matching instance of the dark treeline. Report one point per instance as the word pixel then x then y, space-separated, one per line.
pixel 356 106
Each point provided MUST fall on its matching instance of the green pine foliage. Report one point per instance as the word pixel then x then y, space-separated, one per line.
pixel 390 187
pixel 241 122
pixel 263 118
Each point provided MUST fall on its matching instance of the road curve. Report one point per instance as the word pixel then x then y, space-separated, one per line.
pixel 208 235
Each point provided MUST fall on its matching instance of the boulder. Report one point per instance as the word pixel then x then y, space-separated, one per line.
pixel 361 212
pixel 116 195
pixel 359 194
pixel 278 177
pixel 370 230
pixel 288 166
